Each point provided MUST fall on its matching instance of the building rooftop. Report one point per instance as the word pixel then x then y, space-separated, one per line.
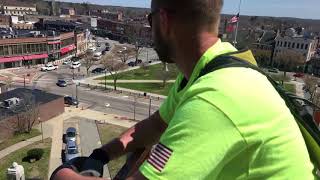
pixel 16 3
pixel 40 97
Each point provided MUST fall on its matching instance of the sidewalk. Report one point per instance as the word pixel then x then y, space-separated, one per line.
pixel 18 146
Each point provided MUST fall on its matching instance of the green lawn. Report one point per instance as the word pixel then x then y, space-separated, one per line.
pixel 155 88
pixel 18 138
pixel 290 87
pixel 280 77
pixel 147 73
pixel 38 169
pixel 107 133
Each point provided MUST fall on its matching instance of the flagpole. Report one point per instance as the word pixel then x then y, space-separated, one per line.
pixel 236 35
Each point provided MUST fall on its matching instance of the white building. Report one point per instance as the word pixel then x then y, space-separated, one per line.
pixel 306 47
pixel 19 9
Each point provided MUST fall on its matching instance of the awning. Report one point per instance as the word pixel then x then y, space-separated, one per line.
pixel 35 56
pixel 23 58
pixel 11 59
pixel 67 49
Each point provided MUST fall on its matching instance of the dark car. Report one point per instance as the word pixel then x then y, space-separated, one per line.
pixel 98 70
pixel 132 64
pixel 273 70
pixel 70 100
pixel 61 83
pixel 298 75
pixel 139 61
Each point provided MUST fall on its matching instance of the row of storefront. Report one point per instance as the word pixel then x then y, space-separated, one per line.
pixel 17 52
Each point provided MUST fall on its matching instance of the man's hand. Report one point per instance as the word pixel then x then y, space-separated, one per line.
pixel 79 166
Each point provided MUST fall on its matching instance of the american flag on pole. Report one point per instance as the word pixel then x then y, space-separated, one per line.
pixel 235 19
pixel 159 156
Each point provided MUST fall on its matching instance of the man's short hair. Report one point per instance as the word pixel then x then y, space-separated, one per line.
pixel 197 12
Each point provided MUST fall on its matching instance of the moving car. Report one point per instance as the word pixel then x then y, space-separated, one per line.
pixel 62 83
pixel 71 134
pixel 71 150
pixel 98 70
pixel 75 65
pixel 70 101
pixel 49 67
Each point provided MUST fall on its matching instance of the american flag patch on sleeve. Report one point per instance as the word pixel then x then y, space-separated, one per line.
pixel 159 156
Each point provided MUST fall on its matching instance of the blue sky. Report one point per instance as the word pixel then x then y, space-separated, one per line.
pixel 283 8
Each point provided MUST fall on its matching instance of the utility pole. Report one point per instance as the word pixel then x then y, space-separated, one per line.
pixel 236 34
pixel 24 81
pixel 134 108
pixel 41 128
pixel 77 95
pixel 105 80
pixel 150 107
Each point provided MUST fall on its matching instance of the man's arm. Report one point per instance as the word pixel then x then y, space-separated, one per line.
pixel 144 133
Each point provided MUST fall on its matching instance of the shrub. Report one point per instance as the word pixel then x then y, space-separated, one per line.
pixel 35 153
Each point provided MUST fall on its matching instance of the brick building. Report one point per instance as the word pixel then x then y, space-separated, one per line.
pixel 48 106
pixel 23 51
pixel 15 8
pixel 5 21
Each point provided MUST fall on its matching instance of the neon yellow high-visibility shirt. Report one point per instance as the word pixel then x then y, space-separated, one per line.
pixel 228 124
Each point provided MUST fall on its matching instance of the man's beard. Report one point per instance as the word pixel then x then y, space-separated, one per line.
pixel 163 48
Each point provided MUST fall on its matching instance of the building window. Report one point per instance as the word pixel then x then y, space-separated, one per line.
pixel 281 44
pixel 289 44
pixel 293 45
pixel 278 42
pixel 298 45
pixel 306 47
pixel 301 47
pixel 285 44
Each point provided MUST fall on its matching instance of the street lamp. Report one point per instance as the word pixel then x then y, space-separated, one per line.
pixel 77 84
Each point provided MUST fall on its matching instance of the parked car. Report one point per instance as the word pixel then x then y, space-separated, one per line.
pixel 62 83
pixel 49 67
pixel 70 101
pixel 75 65
pixel 71 150
pixel 132 64
pixel 298 75
pixel 97 56
pixel 273 70
pixel 66 62
pixel 98 70
pixel 139 61
pixel 71 134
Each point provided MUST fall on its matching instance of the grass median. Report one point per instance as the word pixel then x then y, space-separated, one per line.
pixel 35 170
pixel 152 72
pixel 290 87
pixel 108 132
pixel 18 138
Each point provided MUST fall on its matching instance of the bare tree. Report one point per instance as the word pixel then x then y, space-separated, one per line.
pixel 113 66
pixel 124 56
pixel 289 60
pixel 262 57
pixel 311 84
pixel 8 81
pixel 88 61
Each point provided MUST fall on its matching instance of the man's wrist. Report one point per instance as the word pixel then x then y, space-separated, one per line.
pixel 100 155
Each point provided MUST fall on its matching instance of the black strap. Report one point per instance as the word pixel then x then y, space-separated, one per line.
pixel 225 61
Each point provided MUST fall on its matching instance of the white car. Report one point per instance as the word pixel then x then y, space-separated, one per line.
pixel 75 65
pixel 97 55
pixel 49 67
pixel 66 62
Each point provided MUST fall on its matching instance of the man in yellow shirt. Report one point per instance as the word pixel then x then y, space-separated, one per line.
pixel 228 124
